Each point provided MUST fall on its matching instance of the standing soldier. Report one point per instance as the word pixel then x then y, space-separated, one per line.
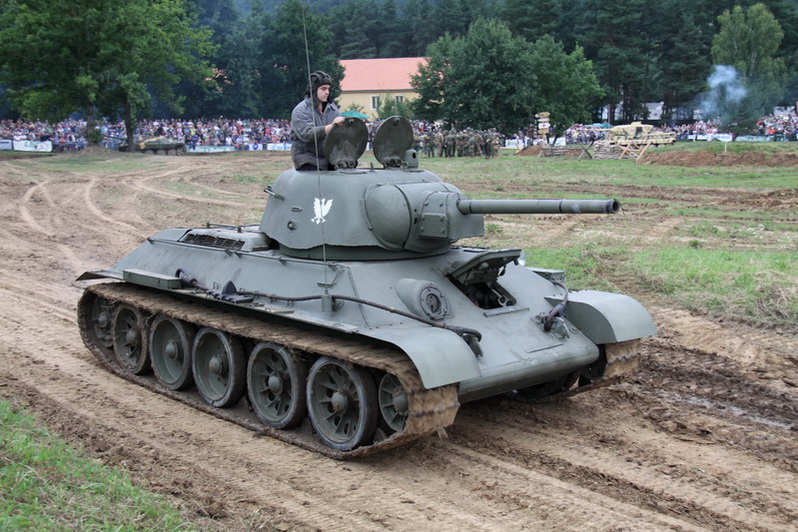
pixel 451 142
pixel 440 142
pixel 488 144
pixel 432 144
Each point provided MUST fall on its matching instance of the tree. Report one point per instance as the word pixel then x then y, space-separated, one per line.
pixel 393 107
pixel 417 15
pixel 357 25
pixel 391 32
pixel 622 60
pixel 686 66
pixel 450 16
pixel 483 79
pixel 492 79
pixel 234 92
pixel 64 56
pixel 489 78
pixel 566 85
pixel 532 19
pixel 430 81
pixel 748 41
pixel 296 42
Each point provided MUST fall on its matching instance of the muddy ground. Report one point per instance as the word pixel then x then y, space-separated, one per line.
pixel 704 437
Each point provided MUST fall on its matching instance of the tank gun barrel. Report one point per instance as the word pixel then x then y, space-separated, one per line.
pixel 538 206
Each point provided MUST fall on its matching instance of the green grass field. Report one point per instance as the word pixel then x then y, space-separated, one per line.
pixel 47 484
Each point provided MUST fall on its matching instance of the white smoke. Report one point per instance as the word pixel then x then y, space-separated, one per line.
pixel 726 91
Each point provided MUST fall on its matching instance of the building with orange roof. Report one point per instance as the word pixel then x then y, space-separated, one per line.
pixel 368 81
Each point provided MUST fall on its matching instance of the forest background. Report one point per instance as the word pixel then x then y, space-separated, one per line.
pixel 250 58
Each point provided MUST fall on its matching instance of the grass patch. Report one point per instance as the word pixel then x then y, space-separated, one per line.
pixel 768 148
pixel 749 285
pixel 754 285
pixel 536 172
pixel 45 484
pixel 99 161
pixel 583 265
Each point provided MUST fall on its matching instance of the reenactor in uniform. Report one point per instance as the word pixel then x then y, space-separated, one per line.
pixel 488 144
pixel 462 143
pixel 451 143
pixel 424 140
pixel 431 145
pixel 479 144
pixel 440 141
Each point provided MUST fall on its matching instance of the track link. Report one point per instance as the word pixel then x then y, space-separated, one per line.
pixel 430 410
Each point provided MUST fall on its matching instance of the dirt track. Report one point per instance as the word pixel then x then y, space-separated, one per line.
pixel 705 437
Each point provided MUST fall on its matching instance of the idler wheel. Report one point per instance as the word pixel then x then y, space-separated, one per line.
pixel 218 366
pixel 342 403
pixel 102 320
pixel 276 380
pixel 394 403
pixel 129 332
pixel 170 350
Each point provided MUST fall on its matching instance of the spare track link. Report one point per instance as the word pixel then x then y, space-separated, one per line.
pixel 430 410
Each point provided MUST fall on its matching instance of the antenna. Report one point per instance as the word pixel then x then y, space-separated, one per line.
pixel 315 145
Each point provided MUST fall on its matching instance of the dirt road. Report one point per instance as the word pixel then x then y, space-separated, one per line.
pixel 705 437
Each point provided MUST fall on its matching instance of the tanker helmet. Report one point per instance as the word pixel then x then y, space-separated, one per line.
pixel 317 79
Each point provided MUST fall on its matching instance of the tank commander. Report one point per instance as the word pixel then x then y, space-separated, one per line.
pixel 311 121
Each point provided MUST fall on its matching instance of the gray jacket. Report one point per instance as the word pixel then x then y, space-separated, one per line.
pixel 307 133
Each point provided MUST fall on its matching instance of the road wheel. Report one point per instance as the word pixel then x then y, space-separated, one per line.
pixel 130 339
pixel 276 380
pixel 170 350
pixel 342 403
pixel 218 366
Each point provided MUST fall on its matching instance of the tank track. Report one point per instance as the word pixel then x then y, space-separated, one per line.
pixel 430 410
pixel 623 359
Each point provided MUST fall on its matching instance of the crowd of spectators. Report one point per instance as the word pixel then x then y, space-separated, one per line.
pixel 67 135
pixel 786 125
pixel 243 134
pixel 237 134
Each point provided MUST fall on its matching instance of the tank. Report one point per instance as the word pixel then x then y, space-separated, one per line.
pixel 639 134
pixel 349 320
pixel 156 146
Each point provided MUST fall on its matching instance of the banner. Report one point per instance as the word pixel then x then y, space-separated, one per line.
pixel 279 146
pixel 753 138
pixel 6 144
pixel 209 149
pixel 723 137
pixel 32 145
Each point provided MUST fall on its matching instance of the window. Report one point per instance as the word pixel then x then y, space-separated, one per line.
pixel 399 99
pixel 375 103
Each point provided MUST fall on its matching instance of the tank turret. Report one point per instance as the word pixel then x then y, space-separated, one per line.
pixel 397 211
pixel 348 321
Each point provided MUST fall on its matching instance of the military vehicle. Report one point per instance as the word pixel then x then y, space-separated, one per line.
pixel 156 146
pixel 348 321
pixel 639 134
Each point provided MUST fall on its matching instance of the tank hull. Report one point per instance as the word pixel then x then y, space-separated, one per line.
pixel 515 349
pixel 334 301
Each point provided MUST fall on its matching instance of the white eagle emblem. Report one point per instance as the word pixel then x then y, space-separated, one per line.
pixel 320 208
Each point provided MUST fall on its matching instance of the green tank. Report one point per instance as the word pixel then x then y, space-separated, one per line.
pixel 156 146
pixel 348 320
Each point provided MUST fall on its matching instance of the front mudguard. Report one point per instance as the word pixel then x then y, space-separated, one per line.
pixel 607 318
